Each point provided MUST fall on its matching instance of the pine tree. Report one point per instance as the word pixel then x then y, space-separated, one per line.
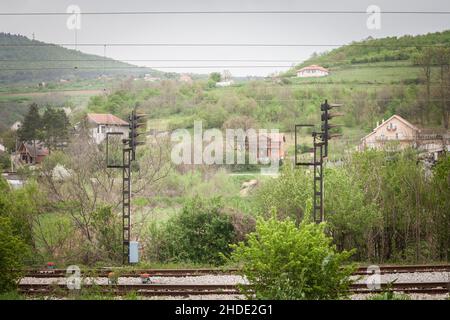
pixel 56 126
pixel 32 124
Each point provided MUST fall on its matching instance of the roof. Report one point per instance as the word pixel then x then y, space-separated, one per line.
pixel 275 137
pixel 313 67
pixel 409 124
pixel 35 148
pixel 106 118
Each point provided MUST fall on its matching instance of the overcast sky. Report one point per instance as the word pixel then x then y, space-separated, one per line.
pixel 219 28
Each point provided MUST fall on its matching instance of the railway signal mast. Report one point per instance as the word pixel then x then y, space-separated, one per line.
pixel 130 144
pixel 320 153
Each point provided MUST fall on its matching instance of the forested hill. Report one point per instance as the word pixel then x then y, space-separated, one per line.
pixel 379 50
pixel 26 60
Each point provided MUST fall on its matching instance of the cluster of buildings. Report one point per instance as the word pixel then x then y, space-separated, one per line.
pixel 34 152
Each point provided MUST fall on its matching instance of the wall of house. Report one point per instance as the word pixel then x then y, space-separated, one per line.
pixel 311 73
pixel 99 132
pixel 392 130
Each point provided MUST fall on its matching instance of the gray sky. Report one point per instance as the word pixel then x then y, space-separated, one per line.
pixel 219 28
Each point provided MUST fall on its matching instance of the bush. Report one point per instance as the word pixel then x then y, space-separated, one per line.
pixel 5 162
pixel 288 195
pixel 200 233
pixel 283 261
pixel 13 251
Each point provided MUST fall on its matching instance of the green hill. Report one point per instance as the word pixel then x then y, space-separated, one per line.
pixel 23 60
pixel 390 49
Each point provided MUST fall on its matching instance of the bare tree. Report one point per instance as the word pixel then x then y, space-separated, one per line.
pixel 88 185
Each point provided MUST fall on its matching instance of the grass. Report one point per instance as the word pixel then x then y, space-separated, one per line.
pixel 382 73
pixel 12 295
pixel 389 296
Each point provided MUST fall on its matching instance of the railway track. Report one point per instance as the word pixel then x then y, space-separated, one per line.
pixel 199 289
pixel 58 273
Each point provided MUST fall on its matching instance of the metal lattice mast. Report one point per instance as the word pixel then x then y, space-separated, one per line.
pixel 318 180
pixel 126 203
pixel 320 153
pixel 128 155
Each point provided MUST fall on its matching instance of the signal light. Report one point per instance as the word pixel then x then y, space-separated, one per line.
pixel 325 117
pixel 136 122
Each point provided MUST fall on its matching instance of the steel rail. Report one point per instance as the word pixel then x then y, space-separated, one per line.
pixel 199 289
pixel 57 273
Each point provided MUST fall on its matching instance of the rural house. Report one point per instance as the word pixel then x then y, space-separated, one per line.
pixel 312 71
pixel 16 126
pixel 100 124
pixel 404 134
pixel 185 78
pixel 31 152
pixel 268 145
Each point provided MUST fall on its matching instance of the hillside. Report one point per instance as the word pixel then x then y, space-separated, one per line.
pixel 23 60
pixel 390 49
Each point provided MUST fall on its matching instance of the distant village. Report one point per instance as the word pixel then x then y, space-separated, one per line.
pixel 395 133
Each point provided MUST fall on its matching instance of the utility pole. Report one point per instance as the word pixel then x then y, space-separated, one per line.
pixel 320 154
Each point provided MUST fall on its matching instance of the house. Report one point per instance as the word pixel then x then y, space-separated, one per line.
pixel 224 83
pixel 394 129
pixel 268 145
pixel 149 78
pixel 403 134
pixel 312 71
pixel 185 78
pixel 101 123
pixel 16 126
pixel 32 152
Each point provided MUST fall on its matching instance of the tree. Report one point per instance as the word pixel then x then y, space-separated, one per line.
pixel 279 262
pixel 9 138
pixel 90 192
pixel 215 76
pixel 55 127
pixel 13 251
pixel 32 124
pixel 201 233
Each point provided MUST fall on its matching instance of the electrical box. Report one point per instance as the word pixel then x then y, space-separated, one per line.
pixel 134 252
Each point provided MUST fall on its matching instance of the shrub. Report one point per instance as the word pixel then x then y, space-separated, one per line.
pixel 288 195
pixel 283 261
pixel 200 233
pixel 13 251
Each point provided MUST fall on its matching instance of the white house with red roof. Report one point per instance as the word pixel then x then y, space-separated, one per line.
pixel 312 71
pixel 101 123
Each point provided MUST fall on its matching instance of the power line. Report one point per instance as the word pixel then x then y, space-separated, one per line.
pixel 223 45
pixel 151 60
pixel 133 67
pixel 228 12
pixel 146 67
